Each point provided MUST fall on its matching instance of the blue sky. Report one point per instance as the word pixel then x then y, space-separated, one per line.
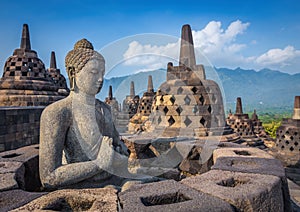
pixel 251 35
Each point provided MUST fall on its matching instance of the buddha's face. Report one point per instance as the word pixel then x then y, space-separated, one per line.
pixel 90 79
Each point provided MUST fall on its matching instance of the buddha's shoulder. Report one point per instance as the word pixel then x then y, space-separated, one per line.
pixel 58 108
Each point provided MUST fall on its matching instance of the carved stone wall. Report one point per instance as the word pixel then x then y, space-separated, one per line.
pixel 19 126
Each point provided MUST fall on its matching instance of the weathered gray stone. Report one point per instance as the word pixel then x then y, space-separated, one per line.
pixel 104 199
pixel 16 198
pixel 229 145
pixel 11 175
pixel 247 192
pixel 29 157
pixel 256 165
pixel 169 196
pixel 250 165
pixel 81 127
pixel 194 164
pixel 240 152
pixel 8 182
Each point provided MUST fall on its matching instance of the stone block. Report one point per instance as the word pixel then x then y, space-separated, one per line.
pixel 263 166
pixel 102 199
pixel 16 198
pixel 12 175
pixel 245 191
pixel 240 152
pixel 230 145
pixel 195 159
pixel 28 156
pixel 169 195
pixel 250 165
pixel 23 154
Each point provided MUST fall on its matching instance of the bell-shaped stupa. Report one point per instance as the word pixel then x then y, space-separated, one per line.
pixel 25 81
pixel 188 104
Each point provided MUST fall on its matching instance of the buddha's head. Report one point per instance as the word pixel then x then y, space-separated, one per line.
pixel 85 68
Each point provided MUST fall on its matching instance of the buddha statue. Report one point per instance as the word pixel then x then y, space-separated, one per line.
pixel 78 140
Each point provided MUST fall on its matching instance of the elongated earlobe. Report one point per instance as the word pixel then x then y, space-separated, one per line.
pixel 71 73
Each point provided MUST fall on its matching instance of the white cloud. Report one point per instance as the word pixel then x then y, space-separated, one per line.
pixel 138 54
pixel 282 57
pixel 219 45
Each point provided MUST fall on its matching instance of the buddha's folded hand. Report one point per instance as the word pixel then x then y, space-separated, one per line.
pixel 106 154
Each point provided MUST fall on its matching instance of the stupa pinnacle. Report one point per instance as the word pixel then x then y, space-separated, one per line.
pixel 25 40
pixel 53 61
pixel 132 91
pixel 187 53
pixel 150 84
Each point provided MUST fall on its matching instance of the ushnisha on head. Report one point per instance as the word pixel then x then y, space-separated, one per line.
pixel 78 58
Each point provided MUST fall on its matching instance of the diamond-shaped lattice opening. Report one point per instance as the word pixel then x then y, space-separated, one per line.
pixel 187 100
pixel 201 99
pixel 166 110
pixel 172 99
pixel 195 109
pixel 194 89
pixel 202 121
pixel 159 120
pixel 296 143
pixel 171 121
pixel 292 149
pixel 287 142
pixel 187 121
pixel 179 110
pixel 209 109
pixel 213 98
pixel 180 90
pixel 161 98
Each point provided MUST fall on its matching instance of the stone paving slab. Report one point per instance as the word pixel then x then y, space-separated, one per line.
pixel 169 195
pixel 11 175
pixel 16 198
pixel 257 166
pixel 102 199
pixel 240 152
pixel 246 191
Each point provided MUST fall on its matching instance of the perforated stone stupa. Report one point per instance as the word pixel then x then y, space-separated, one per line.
pixel 188 104
pixel 129 109
pixel 113 103
pixel 242 124
pixel 25 81
pixel 56 76
pixel 288 136
pixel 129 100
pixel 144 109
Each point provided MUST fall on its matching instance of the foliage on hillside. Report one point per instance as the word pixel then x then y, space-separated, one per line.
pixel 271 128
pixel 272 120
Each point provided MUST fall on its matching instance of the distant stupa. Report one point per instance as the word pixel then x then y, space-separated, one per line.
pixel 25 81
pixel 188 104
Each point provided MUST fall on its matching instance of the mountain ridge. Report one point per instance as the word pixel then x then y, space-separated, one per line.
pixel 260 89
